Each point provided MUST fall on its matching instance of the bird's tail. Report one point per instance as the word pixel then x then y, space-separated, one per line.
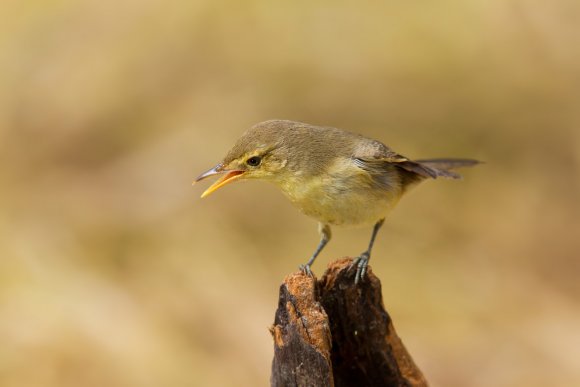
pixel 444 167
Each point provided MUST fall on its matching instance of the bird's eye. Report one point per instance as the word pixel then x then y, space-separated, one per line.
pixel 254 161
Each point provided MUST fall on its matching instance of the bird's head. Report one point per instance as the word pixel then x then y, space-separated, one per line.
pixel 261 153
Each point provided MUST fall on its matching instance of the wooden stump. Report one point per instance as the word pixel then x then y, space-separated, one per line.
pixel 331 332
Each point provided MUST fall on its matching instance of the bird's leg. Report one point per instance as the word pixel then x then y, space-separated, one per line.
pixel 325 235
pixel 362 260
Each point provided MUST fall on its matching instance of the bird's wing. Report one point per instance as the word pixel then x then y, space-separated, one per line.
pixel 374 157
pixel 377 165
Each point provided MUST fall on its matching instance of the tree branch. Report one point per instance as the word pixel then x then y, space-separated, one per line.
pixel 331 332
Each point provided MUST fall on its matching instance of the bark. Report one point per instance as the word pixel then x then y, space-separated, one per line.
pixel 331 332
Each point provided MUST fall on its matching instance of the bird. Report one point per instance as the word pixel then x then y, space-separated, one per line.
pixel 335 176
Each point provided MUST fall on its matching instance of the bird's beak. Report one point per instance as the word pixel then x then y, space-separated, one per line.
pixel 227 178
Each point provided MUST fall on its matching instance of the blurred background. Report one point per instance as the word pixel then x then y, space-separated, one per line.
pixel 114 273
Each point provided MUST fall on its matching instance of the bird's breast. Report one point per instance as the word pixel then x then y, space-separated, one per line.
pixel 344 195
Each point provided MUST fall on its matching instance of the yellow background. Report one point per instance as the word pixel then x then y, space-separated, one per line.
pixel 114 273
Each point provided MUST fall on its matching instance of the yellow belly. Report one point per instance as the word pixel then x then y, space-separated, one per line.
pixel 348 198
pixel 350 209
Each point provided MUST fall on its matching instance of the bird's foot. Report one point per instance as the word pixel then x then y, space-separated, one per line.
pixel 361 262
pixel 306 270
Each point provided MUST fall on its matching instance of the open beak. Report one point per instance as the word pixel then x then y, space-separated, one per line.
pixel 226 179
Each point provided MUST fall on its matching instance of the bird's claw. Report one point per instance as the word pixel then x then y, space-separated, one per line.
pixel 306 270
pixel 361 262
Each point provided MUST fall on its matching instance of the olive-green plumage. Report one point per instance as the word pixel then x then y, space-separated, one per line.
pixel 334 176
